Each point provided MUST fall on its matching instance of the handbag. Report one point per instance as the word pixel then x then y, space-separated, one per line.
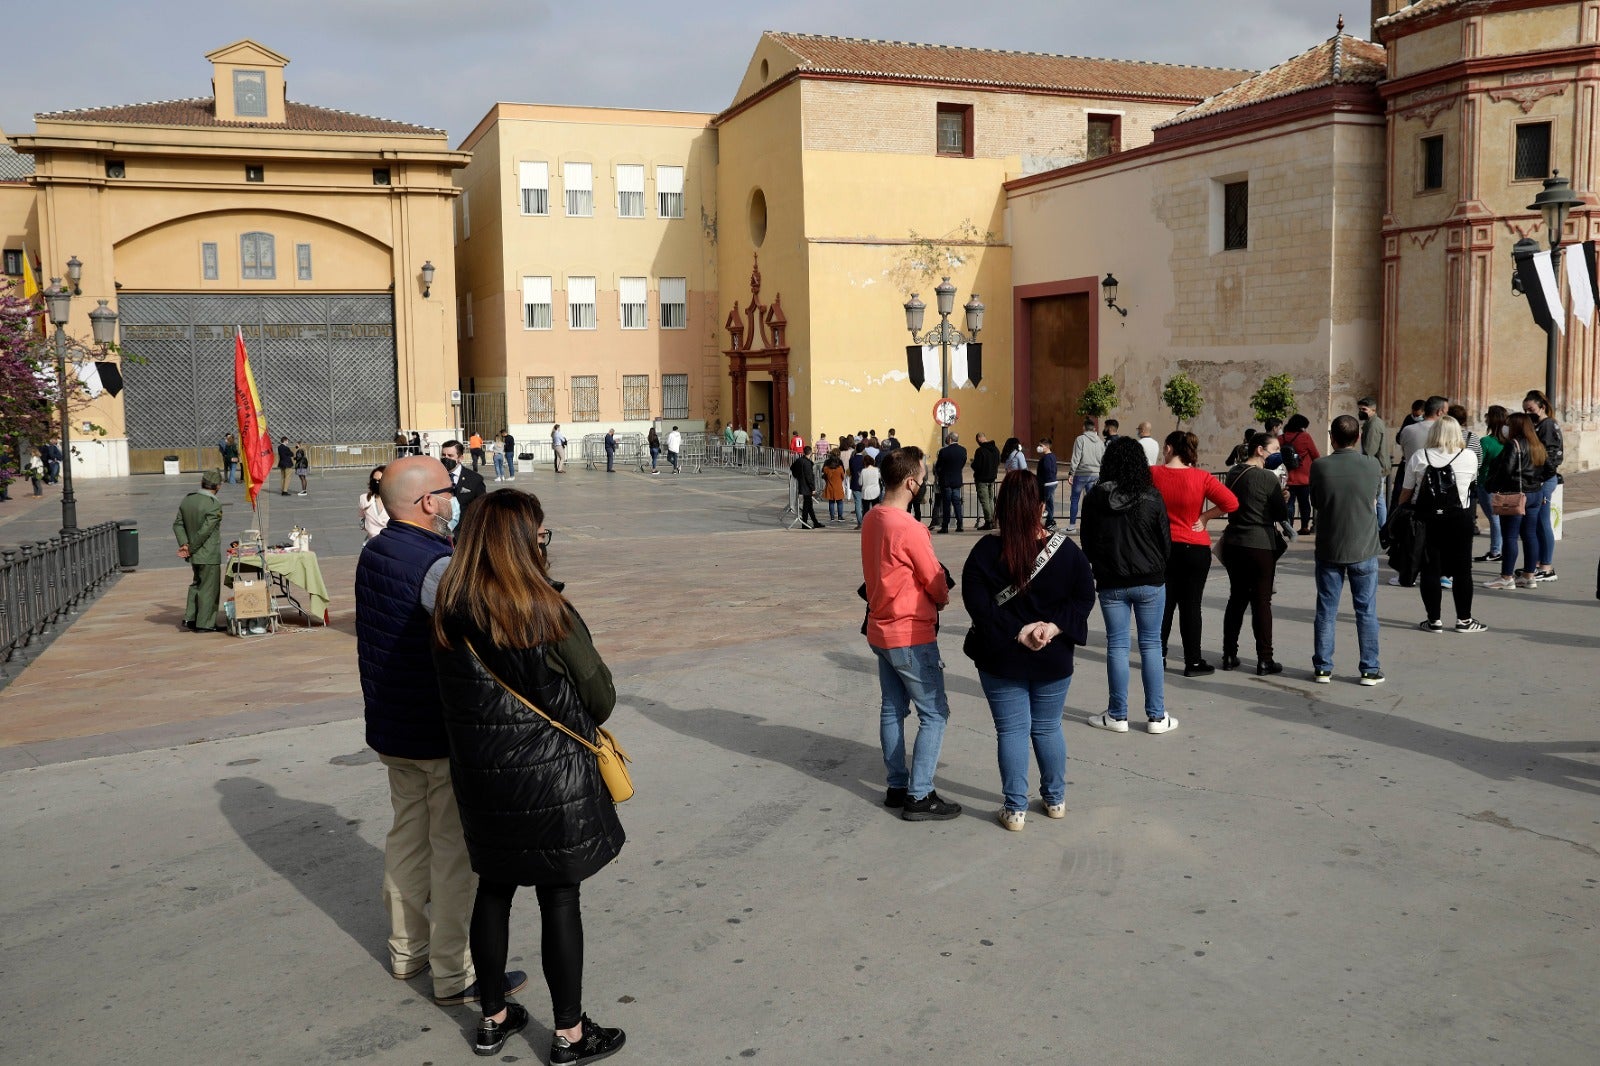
pixel 526 457
pixel 1508 503
pixel 608 753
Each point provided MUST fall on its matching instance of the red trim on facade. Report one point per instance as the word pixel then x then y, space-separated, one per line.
pixel 1022 345
pixel 1477 67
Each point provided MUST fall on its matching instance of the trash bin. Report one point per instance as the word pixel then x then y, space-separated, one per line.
pixel 128 544
pixel 169 466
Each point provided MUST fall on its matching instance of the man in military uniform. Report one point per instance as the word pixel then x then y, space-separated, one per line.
pixel 198 528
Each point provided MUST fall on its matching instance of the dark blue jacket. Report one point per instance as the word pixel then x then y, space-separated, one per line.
pixel 394 644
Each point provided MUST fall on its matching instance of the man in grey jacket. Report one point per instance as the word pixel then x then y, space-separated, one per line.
pixel 1084 467
pixel 1375 444
pixel 1343 485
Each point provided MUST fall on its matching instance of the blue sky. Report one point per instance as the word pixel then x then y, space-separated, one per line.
pixel 444 62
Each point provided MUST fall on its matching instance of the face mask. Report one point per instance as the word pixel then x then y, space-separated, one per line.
pixel 1039 448
pixel 449 464
pixel 1274 460
pixel 1361 415
pixel 455 513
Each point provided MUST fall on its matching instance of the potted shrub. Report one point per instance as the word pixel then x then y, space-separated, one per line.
pixel 1182 397
pixel 1274 399
pixel 1099 399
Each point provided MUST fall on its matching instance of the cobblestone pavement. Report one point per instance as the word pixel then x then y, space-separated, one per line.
pixel 1301 872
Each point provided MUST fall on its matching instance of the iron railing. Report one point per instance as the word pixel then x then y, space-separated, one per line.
pixel 42 585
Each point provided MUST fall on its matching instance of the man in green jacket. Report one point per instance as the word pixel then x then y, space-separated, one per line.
pixel 198 528
pixel 1375 443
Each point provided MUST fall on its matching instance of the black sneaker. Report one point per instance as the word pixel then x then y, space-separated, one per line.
pixel 1487 557
pixel 929 808
pixel 492 1035
pixel 596 1043
pixel 895 798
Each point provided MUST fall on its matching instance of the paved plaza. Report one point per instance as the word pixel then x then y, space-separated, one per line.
pixel 1300 873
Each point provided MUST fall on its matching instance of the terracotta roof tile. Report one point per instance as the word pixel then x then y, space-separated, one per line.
pixel 952 65
pixel 1340 60
pixel 201 111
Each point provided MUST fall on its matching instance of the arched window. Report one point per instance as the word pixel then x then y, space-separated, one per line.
pixel 256 258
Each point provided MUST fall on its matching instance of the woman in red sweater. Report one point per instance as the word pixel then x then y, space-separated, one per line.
pixel 1186 491
pixel 1295 436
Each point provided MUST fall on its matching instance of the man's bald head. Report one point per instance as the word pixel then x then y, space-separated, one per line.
pixel 1144 429
pixel 405 480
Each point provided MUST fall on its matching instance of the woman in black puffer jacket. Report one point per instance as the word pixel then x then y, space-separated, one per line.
pixel 1128 539
pixel 534 809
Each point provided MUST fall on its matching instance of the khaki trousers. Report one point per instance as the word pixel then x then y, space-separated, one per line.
pixel 428 883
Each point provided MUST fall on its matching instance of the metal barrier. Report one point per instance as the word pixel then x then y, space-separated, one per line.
pixel 41 584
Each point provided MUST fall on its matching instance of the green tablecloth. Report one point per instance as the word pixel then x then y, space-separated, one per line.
pixel 298 568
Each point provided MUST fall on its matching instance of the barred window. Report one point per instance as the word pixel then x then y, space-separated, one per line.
pixel 1235 215
pixel 534 180
pixel 1433 162
pixel 1533 150
pixel 669 192
pixel 630 190
pixel 674 396
pixel 541 399
pixel 585 398
pixel 302 262
pixel 674 303
pixel 536 303
pixel 632 294
pixel 636 397
pixel 579 181
pixel 208 261
pixel 580 303
pixel 256 259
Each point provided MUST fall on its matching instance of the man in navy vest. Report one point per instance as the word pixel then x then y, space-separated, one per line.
pixel 428 884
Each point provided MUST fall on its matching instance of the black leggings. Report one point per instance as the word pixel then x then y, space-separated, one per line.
pixel 1251 572
pixel 1448 554
pixel 1187 569
pixel 560 952
pixel 1300 505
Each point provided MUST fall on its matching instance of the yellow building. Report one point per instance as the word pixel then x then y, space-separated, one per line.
pixel 305 226
pixel 586 249
pixel 861 171
pixel 1245 241
pixel 16 210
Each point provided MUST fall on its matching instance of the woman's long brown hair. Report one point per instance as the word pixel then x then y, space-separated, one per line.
pixel 1521 427
pixel 1021 526
pixel 498 578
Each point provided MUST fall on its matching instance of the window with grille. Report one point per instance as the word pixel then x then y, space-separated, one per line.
pixel 1533 150
pixel 302 262
pixel 469 315
pixel 669 192
pixel 580 303
pixel 536 303
pixel 954 131
pixel 13 264
pixel 630 190
pixel 208 261
pixel 466 215
pixel 636 397
pixel 1235 215
pixel 585 398
pixel 1432 162
pixel 631 295
pixel 674 396
pixel 541 399
pixel 674 303
pixel 1105 135
pixel 256 260
pixel 578 179
pixel 534 180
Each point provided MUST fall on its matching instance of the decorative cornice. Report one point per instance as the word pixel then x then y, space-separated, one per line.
pixel 1528 95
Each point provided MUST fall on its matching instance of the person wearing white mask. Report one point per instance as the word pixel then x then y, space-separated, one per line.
pixel 468 483
pixel 1048 479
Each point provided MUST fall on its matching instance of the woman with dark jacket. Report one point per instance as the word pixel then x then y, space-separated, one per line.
pixel 1296 437
pixel 1029 595
pixel 1250 548
pixel 534 808
pixel 1537 407
pixel 1518 468
pixel 1187 490
pixel 1127 538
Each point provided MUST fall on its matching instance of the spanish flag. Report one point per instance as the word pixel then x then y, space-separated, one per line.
pixel 32 291
pixel 255 445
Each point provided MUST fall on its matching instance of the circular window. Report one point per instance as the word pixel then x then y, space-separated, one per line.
pixel 763 70
pixel 758 217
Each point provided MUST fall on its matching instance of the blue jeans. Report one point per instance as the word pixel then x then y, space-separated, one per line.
pixel 1143 605
pixel 1383 506
pixel 655 455
pixel 499 465
pixel 1545 530
pixel 1520 531
pixel 836 510
pixel 1028 712
pixel 1049 493
pixel 511 464
pixel 1363 578
pixel 1081 483
pixel 860 505
pixel 1494 519
pixel 907 676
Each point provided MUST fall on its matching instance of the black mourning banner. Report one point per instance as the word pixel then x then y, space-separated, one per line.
pixel 1533 289
pixel 914 365
pixel 975 363
pixel 110 377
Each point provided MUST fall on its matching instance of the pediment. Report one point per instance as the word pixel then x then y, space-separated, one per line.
pixel 248 53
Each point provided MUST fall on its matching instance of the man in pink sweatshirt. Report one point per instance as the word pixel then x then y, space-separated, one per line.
pixel 907 587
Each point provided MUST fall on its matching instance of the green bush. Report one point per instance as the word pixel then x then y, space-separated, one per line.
pixel 1275 398
pixel 1099 399
pixel 1182 397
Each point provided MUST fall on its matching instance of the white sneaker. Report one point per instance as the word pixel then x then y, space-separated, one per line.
pixel 1501 583
pixel 1394 579
pixel 499 479
pixel 1105 721
pixel 1013 820
pixel 1162 725
pixel 1055 810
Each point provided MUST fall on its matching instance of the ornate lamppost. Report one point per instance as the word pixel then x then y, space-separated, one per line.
pixel 1555 202
pixel 103 323
pixel 944 334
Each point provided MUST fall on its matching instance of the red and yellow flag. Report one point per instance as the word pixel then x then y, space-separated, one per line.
pixel 255 445
pixel 31 290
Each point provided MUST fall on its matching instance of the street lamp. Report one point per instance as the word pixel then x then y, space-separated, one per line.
pixel 1555 202
pixel 427 278
pixel 103 322
pixel 75 275
pixel 944 334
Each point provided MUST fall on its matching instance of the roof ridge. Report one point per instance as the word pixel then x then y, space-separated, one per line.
pixel 1002 51
pixel 211 101
pixel 1336 75
pixel 137 103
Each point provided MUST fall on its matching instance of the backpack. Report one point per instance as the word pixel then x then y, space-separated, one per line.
pixel 1291 458
pixel 1437 494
